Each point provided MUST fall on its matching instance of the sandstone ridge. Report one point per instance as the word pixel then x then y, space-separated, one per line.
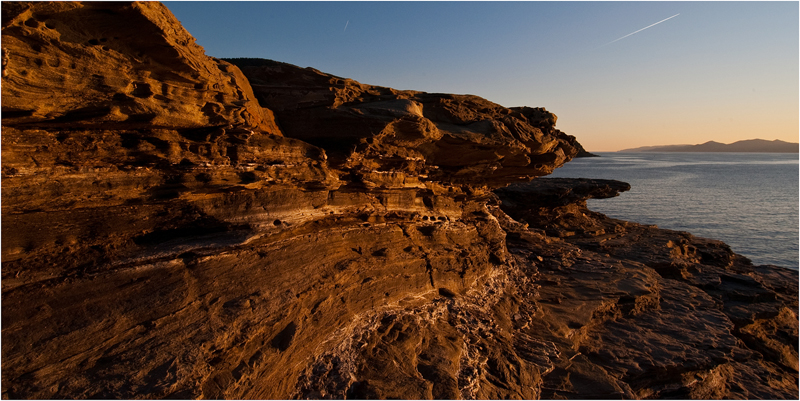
pixel 442 137
pixel 179 226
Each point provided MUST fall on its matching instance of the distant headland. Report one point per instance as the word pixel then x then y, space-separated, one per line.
pixel 750 145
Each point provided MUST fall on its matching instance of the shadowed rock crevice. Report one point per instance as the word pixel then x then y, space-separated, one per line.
pixel 283 340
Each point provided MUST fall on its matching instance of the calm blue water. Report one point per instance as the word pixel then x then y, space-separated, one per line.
pixel 747 200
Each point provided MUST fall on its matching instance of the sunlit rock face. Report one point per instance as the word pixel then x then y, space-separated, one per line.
pixel 163 238
pixel 168 231
pixel 460 139
pixel 116 65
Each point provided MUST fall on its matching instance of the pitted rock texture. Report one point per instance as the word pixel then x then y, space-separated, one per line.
pixel 382 131
pixel 116 65
pixel 206 253
pixel 189 256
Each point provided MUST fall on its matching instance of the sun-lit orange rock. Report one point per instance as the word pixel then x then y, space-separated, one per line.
pixel 163 238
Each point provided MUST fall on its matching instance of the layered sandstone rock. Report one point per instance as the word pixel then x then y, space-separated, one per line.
pixel 371 130
pixel 116 65
pixel 163 237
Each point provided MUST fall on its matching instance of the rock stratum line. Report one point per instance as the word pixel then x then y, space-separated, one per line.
pixel 180 226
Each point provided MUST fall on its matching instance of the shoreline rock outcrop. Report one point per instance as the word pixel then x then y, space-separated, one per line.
pixel 679 324
pixel 366 129
pixel 179 226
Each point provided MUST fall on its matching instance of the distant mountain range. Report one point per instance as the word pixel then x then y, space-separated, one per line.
pixel 750 145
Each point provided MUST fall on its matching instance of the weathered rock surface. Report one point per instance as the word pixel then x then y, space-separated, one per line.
pixel 163 237
pixel 116 65
pixel 370 129
pixel 648 312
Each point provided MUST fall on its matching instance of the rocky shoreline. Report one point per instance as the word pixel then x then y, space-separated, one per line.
pixel 180 226
pixel 666 302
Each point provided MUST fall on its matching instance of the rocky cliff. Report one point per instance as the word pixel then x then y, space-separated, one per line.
pixel 180 226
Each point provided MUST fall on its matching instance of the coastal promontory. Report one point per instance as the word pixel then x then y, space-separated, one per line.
pixel 181 226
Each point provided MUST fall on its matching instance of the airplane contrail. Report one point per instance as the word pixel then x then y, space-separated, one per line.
pixel 641 29
pixel 345 25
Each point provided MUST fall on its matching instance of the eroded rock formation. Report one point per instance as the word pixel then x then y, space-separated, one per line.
pixel 648 312
pixel 460 139
pixel 170 230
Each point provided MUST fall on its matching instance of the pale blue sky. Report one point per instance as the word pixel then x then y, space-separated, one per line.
pixel 722 71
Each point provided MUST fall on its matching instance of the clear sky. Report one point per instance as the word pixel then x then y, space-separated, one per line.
pixel 722 71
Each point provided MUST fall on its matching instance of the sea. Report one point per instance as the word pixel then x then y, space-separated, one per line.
pixel 748 200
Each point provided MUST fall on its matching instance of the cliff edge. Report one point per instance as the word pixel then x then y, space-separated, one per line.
pixel 180 226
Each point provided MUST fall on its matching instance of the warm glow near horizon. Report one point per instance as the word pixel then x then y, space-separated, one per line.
pixel 600 133
pixel 618 74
